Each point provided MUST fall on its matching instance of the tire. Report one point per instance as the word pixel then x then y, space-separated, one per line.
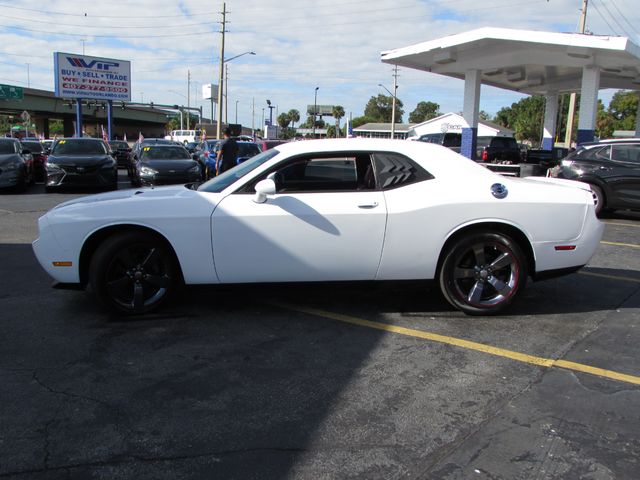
pixel 598 199
pixel 133 273
pixel 482 273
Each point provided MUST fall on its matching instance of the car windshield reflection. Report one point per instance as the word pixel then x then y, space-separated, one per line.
pixel 222 181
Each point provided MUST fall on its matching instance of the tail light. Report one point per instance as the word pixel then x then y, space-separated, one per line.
pixel 485 156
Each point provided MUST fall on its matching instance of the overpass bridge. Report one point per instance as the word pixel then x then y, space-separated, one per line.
pixel 43 106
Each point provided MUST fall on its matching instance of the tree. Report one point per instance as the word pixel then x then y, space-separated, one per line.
pixel 338 113
pixel 359 121
pixel 623 108
pixel 424 111
pixel 283 120
pixel 379 109
pixel 294 116
pixel 482 115
pixel 524 118
pixel 331 131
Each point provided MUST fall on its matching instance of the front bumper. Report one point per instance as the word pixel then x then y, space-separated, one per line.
pixel 89 177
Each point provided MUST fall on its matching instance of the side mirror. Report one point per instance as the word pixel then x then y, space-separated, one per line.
pixel 263 189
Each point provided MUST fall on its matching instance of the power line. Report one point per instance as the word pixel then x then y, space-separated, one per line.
pixel 624 17
pixel 50 12
pixel 183 25
pixel 604 19
pixel 109 36
pixel 613 17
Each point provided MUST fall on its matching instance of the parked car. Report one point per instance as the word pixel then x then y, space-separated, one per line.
pixel 192 147
pixel 16 165
pixel 498 150
pixel 39 155
pixel 47 144
pixel 611 167
pixel 450 140
pixel 121 151
pixel 185 136
pixel 81 162
pixel 326 210
pixel 164 165
pixel 137 146
pixel 267 144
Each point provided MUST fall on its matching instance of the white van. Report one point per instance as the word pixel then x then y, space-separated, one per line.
pixel 185 136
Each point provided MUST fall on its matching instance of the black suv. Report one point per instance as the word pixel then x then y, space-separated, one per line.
pixel 611 167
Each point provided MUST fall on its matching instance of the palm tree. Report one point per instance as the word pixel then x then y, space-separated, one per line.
pixel 294 116
pixel 338 113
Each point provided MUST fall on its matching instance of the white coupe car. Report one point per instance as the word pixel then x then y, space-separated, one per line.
pixel 326 210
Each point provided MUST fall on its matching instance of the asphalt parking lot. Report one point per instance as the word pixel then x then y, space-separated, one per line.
pixel 320 381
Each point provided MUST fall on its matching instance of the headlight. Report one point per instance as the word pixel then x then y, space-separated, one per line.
pixel 146 171
pixel 12 166
pixel 53 168
pixel 566 163
pixel 194 169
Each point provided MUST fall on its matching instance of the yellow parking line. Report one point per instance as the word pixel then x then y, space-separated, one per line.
pixel 623 224
pixel 616 244
pixel 469 345
pixel 611 277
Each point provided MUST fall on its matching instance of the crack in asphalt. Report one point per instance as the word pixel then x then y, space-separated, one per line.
pixel 65 393
pixel 127 459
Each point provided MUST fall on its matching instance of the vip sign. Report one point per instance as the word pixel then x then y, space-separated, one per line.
pixel 80 76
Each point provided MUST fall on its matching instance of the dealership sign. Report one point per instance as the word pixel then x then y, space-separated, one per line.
pixel 80 76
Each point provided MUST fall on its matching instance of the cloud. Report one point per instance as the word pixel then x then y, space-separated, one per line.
pixel 333 45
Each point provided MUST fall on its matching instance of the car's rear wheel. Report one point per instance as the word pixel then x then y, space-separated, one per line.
pixel 133 273
pixel 482 273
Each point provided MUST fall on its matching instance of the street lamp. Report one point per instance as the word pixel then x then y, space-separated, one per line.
pixel 393 111
pixel 188 111
pixel 315 111
pixel 237 111
pixel 221 80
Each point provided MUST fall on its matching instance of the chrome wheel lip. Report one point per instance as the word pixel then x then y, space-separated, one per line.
pixel 501 274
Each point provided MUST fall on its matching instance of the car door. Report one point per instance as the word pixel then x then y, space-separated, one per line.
pixel 326 221
pixel 623 175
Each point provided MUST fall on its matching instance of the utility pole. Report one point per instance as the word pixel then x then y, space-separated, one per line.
pixel 188 102
pixel 253 117
pixel 393 103
pixel 226 92
pixel 572 98
pixel 221 72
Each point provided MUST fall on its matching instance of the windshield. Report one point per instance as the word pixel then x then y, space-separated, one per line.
pixel 118 144
pixel 164 153
pixel 33 147
pixel 222 181
pixel 79 147
pixel 157 141
pixel 247 149
pixel 7 147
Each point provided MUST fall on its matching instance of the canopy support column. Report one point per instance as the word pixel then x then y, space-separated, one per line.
pixel 470 112
pixel 588 104
pixel 550 119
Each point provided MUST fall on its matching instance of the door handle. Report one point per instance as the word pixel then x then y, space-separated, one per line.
pixel 368 205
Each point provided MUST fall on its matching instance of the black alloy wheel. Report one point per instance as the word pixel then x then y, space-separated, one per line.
pixel 133 273
pixel 482 273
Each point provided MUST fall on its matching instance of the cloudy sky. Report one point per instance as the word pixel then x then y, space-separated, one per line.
pixel 334 45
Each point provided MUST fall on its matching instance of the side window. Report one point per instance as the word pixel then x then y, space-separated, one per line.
pixel 626 153
pixel 318 175
pixel 394 170
pixel 603 154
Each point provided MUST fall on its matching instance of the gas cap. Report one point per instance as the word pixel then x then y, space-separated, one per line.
pixel 498 190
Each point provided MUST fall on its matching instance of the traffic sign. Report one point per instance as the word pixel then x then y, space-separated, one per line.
pixel 10 92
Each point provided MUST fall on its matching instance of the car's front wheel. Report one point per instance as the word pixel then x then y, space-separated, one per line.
pixel 133 272
pixel 482 273
pixel 598 198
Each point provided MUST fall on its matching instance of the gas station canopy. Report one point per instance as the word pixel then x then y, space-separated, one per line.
pixel 526 61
